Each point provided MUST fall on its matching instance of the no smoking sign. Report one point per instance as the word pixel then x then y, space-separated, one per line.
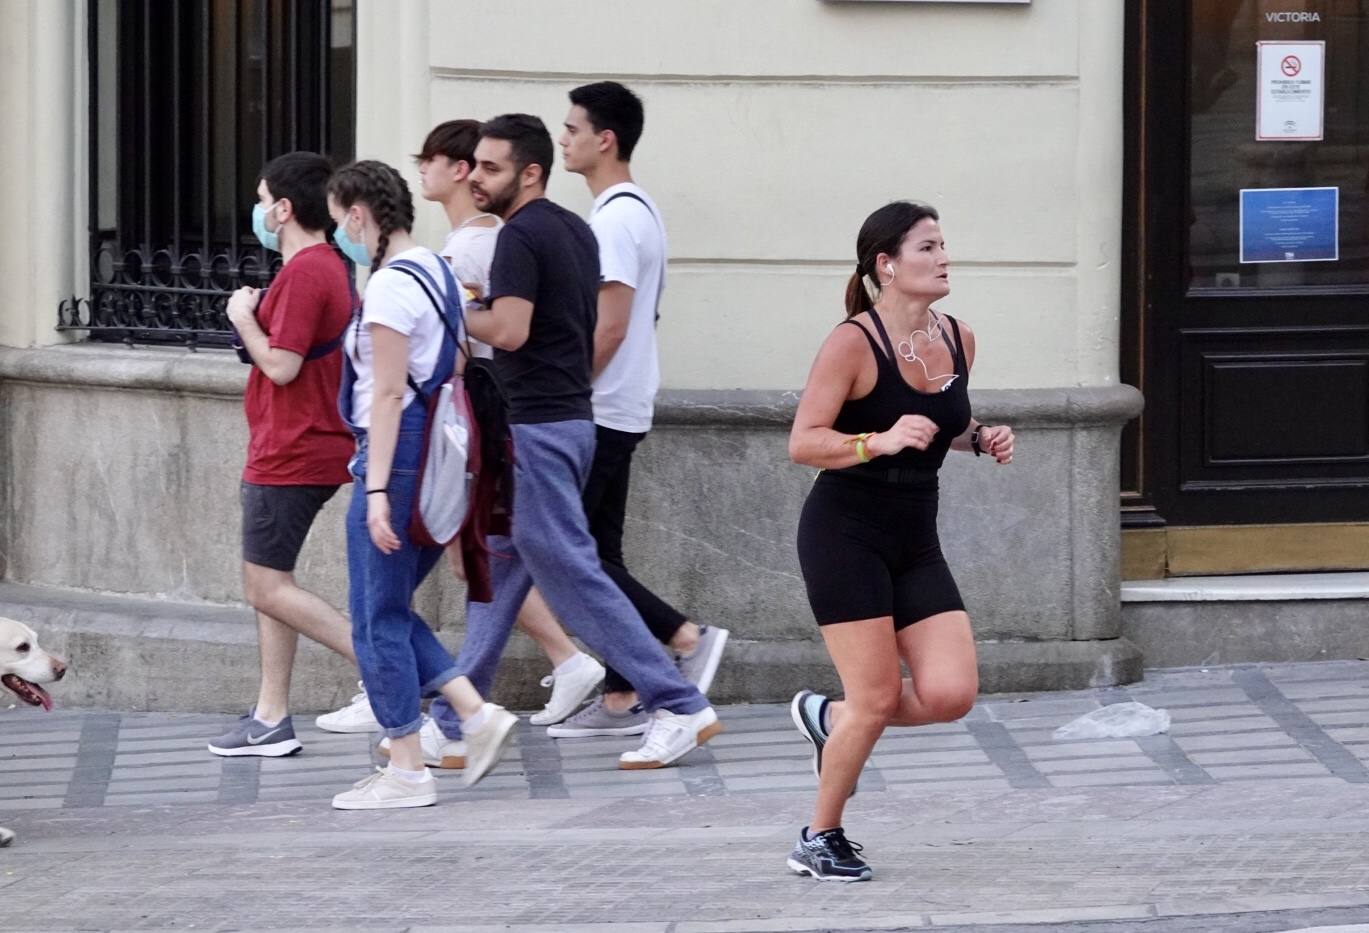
pixel 1290 82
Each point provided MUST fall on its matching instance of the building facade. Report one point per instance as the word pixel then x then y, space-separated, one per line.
pixel 1051 135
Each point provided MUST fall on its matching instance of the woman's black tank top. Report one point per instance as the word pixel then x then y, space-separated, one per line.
pixel 892 397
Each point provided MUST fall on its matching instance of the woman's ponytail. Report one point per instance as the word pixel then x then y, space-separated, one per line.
pixel 857 295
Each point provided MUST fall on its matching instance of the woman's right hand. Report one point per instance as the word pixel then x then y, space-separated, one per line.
pixel 914 431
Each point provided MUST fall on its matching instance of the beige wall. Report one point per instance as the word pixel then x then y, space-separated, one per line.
pixel 775 126
pixel 42 164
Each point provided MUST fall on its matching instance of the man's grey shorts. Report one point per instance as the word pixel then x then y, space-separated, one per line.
pixel 276 520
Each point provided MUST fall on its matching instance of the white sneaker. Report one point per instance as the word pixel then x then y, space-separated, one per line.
pixel 438 750
pixel 670 737
pixel 386 791
pixel 356 716
pixel 486 747
pixel 568 691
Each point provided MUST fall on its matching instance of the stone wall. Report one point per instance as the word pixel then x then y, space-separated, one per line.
pixel 120 473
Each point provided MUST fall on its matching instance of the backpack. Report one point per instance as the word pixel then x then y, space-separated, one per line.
pixel 465 478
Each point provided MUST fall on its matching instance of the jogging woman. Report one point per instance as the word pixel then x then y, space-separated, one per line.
pixel 398 343
pixel 886 399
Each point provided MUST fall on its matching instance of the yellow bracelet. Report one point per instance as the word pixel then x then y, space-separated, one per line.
pixel 861 453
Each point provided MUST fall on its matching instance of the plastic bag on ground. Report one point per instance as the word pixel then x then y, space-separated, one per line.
pixel 1119 721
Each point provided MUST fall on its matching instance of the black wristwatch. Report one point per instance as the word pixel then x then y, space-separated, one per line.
pixel 974 441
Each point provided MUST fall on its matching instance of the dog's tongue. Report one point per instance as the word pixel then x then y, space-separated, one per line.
pixel 28 691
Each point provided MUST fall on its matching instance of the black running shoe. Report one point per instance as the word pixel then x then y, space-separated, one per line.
pixel 829 856
pixel 806 711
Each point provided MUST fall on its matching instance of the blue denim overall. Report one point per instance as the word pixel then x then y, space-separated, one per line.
pixel 400 658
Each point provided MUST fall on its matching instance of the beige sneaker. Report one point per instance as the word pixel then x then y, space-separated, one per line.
pixel 385 791
pixel 486 747
pixel 438 750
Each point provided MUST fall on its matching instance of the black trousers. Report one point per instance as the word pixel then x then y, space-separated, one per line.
pixel 605 500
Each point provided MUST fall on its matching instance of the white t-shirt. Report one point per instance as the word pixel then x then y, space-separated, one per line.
pixel 398 302
pixel 632 250
pixel 470 251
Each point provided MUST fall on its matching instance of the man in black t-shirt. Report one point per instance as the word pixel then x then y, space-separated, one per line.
pixel 542 308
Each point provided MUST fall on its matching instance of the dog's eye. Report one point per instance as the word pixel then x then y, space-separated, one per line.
pixel 22 648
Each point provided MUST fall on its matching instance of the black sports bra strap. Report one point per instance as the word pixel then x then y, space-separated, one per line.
pixel 874 347
pixel 883 335
pixel 958 350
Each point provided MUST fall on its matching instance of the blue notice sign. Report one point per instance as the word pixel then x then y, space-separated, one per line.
pixel 1290 224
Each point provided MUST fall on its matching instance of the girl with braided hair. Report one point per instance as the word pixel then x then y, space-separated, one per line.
pixel 398 351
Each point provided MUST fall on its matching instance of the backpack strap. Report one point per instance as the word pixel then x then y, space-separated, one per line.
pixel 323 349
pixel 660 287
pixel 318 350
pixel 430 288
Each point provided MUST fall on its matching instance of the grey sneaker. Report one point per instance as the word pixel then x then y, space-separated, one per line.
pixel 700 665
pixel 250 737
pixel 598 719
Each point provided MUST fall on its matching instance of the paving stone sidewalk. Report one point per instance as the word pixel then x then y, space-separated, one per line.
pixel 1250 814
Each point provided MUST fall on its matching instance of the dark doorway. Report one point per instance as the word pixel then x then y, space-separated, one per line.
pixel 1246 315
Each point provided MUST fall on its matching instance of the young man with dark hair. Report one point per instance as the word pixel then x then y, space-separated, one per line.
pixel 444 167
pixel 601 130
pixel 299 448
pixel 543 299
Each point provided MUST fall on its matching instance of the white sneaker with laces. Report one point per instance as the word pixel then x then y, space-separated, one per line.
pixel 568 691
pixel 670 737
pixel 356 716
pixel 486 747
pixel 438 750
pixel 386 791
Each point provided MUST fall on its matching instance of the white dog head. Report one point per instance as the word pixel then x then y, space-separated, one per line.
pixel 24 666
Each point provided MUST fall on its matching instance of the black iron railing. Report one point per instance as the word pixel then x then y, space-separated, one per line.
pixel 188 99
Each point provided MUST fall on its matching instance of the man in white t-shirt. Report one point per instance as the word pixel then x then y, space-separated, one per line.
pixel 601 130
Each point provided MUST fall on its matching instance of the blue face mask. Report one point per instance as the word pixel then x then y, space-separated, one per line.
pixel 268 238
pixel 350 248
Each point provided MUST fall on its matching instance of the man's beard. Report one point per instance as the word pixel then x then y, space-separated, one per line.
pixel 500 201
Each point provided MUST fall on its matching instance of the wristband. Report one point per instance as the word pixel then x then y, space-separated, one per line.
pixel 974 441
pixel 861 453
pixel 372 492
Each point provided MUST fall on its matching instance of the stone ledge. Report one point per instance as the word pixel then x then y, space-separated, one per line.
pixel 218 373
pixel 141 654
pixel 1188 634
pixel 1264 587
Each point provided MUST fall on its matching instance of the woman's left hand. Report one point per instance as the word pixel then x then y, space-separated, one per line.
pixel 997 441
pixel 378 523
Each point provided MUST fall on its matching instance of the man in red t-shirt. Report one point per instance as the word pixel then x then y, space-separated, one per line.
pixel 299 448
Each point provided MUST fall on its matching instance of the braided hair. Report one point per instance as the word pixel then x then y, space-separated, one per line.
pixel 383 190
